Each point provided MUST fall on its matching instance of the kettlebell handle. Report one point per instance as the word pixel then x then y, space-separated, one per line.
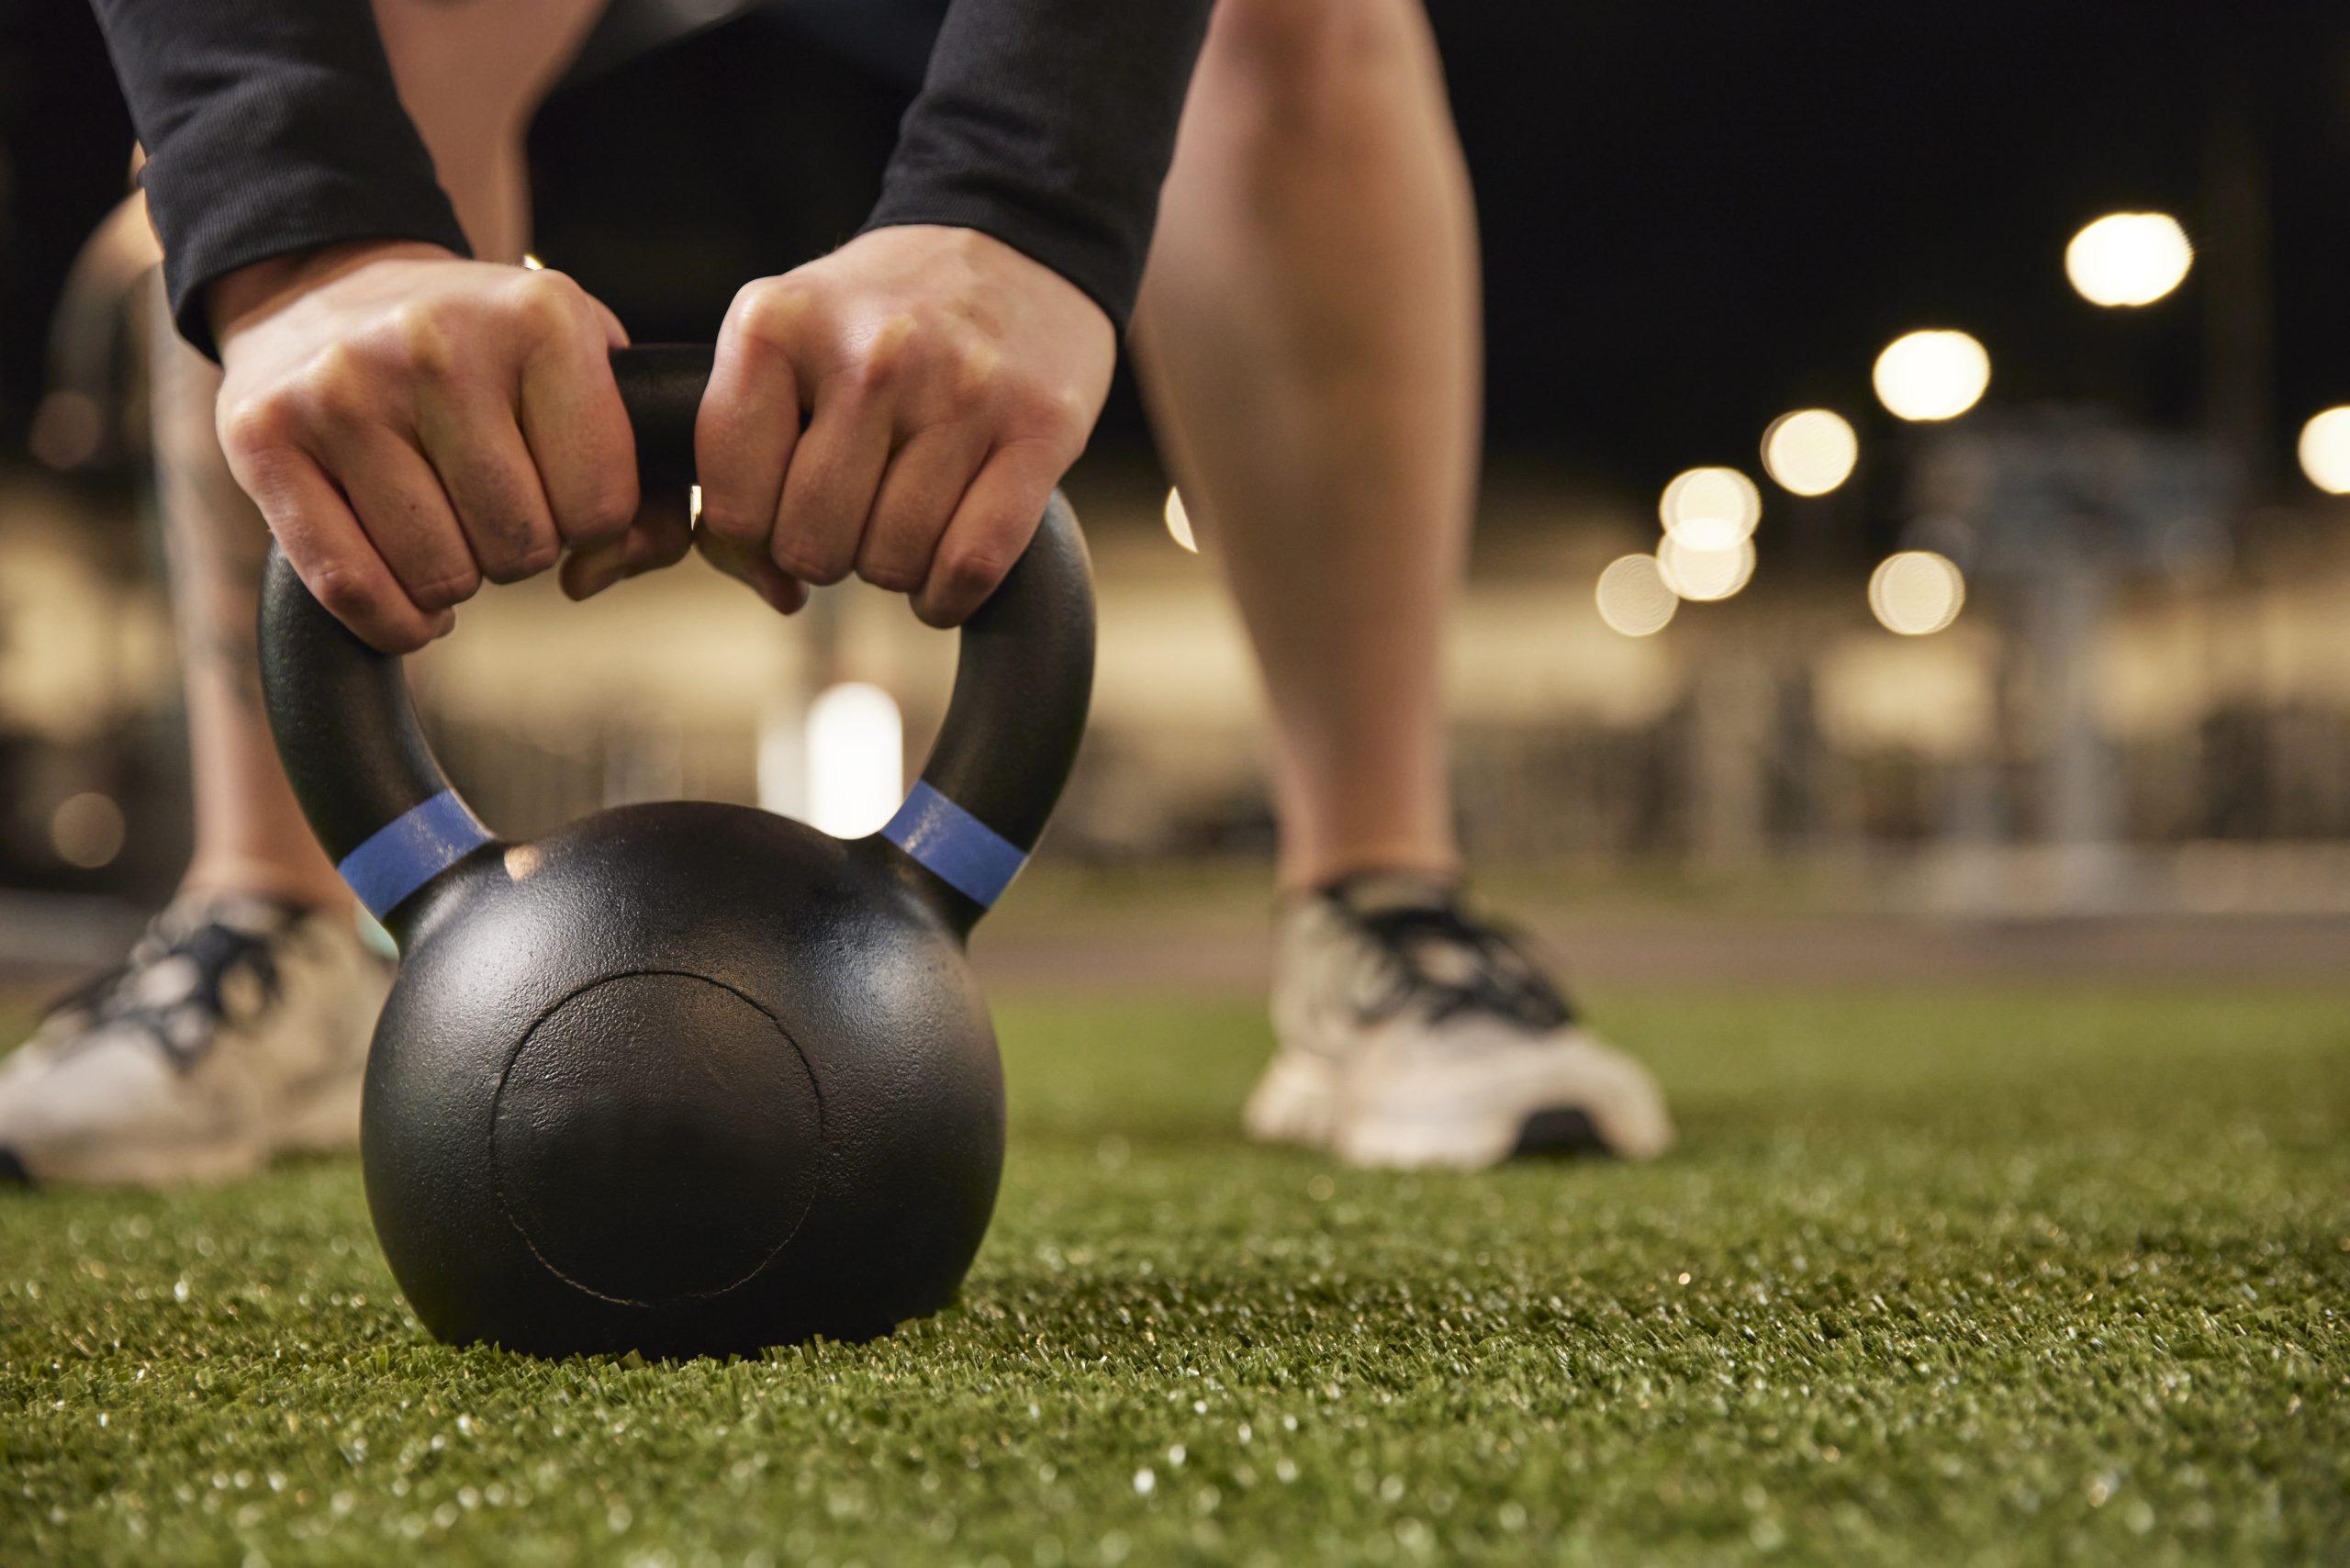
pixel 347 731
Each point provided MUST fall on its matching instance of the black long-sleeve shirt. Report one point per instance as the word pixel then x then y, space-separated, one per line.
pixel 273 126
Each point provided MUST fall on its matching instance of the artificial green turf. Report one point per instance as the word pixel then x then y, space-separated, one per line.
pixel 1936 1277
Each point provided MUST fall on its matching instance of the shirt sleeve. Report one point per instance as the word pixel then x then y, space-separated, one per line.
pixel 270 127
pixel 274 125
pixel 1049 124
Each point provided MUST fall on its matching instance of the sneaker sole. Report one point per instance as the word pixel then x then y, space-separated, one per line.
pixel 323 1119
pixel 1592 1102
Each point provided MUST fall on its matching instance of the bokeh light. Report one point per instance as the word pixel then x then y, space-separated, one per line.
pixel 1934 374
pixel 87 830
pixel 1634 599
pixel 1710 508
pixel 68 429
pixel 856 759
pixel 1179 522
pixel 2129 258
pixel 1705 576
pixel 1916 592
pixel 2325 450
pixel 1811 452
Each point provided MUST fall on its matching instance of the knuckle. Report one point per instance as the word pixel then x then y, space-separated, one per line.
pixel 527 558
pixel 768 312
pixel 722 519
pixel 613 509
pixel 1051 412
pixel 548 300
pixel 399 638
pixel 890 575
pixel 340 366
pixel 337 394
pixel 935 610
pixel 551 309
pixel 973 569
pixel 424 342
pixel 809 559
pixel 973 370
pixel 446 590
pixel 884 360
pixel 605 511
pixel 342 592
pixel 257 426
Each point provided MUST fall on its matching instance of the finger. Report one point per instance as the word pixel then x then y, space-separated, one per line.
pixel 751 564
pixel 492 486
pixel 829 490
pixel 925 483
pixel 333 556
pixel 749 421
pixel 407 516
pixel 990 530
pixel 661 536
pixel 572 417
pixel 615 335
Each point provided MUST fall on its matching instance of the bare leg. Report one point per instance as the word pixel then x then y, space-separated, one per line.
pixel 1309 346
pixel 250 835
pixel 471 74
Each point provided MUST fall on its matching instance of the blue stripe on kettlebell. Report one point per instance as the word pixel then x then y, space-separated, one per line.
pixel 410 850
pixel 954 846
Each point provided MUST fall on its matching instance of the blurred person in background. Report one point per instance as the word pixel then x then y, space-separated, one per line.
pixel 342 207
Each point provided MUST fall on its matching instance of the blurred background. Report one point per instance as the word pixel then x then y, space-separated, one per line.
pixel 1915 530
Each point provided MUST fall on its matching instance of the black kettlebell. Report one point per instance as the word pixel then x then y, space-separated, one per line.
pixel 684 1079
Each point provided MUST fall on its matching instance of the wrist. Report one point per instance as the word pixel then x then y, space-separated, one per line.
pixel 238 299
pixel 983 248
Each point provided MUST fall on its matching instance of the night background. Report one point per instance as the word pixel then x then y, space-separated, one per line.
pixel 1965 846
pixel 1695 219
pixel 1694 215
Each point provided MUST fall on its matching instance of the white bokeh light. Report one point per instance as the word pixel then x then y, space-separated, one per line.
pixel 87 830
pixel 1634 599
pixel 2129 258
pixel 856 759
pixel 1179 522
pixel 1810 451
pixel 1710 508
pixel 1916 592
pixel 1705 576
pixel 2325 450
pixel 1934 374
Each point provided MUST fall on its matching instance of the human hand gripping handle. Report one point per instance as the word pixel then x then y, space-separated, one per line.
pixel 347 731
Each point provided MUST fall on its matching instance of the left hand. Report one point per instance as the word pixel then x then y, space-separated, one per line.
pixel 949 383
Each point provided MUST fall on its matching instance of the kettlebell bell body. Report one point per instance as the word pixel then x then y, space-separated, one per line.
pixel 684 1078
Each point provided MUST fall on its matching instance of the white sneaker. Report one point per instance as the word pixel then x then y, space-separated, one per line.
pixel 1411 1034
pixel 236 1031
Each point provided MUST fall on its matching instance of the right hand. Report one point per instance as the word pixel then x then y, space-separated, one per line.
pixel 412 424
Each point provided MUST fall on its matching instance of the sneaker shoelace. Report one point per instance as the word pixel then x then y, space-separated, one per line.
pixel 1441 963
pixel 185 978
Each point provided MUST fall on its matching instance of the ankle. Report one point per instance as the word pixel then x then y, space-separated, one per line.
pixel 1302 874
pixel 228 876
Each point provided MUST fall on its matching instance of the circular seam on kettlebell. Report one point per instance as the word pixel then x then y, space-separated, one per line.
pixel 522 1231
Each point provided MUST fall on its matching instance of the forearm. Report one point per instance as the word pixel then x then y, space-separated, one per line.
pixel 271 127
pixel 1049 124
